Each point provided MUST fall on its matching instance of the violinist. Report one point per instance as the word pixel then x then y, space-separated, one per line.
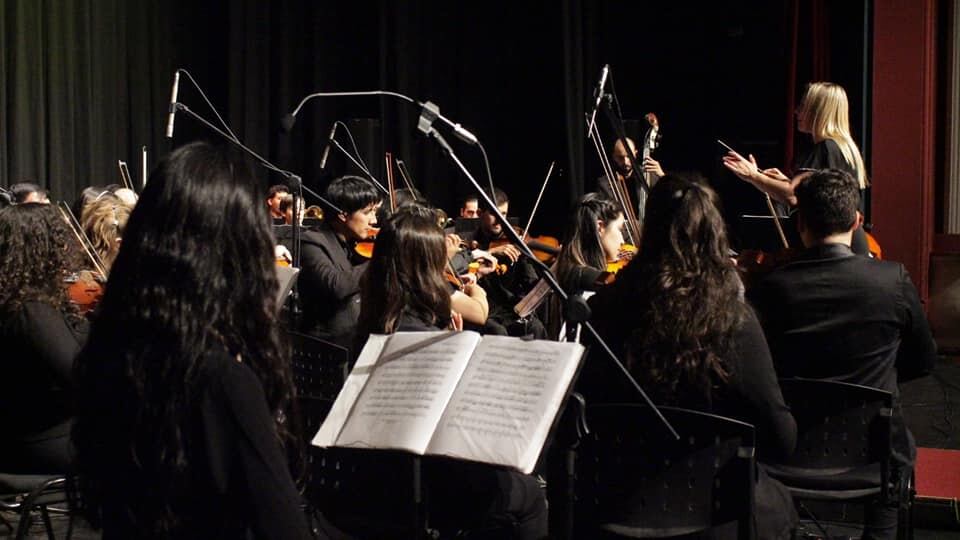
pixel 686 332
pixel 103 221
pixel 25 192
pixel 470 208
pixel 42 332
pixel 185 421
pixel 505 290
pixel 403 290
pixel 593 240
pixel 330 267
pixel 824 115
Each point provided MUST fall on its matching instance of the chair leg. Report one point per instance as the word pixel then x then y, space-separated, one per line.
pixel 46 522
pixel 24 525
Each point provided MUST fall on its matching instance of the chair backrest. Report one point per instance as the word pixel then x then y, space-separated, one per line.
pixel 319 370
pixel 840 426
pixel 635 480
pixel 319 367
pixel 368 493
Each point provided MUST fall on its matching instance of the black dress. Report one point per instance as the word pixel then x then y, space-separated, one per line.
pixel 750 394
pixel 240 484
pixel 826 154
pixel 40 344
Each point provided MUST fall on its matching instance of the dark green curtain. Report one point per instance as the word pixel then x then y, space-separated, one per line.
pixel 85 84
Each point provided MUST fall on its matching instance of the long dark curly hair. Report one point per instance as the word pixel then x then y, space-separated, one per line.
pixel 405 274
pixel 195 275
pixel 36 252
pixel 686 292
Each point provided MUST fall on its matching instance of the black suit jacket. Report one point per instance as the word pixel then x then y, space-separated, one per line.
pixel 329 285
pixel 833 315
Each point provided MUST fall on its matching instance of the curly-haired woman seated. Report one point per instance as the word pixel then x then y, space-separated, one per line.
pixel 42 333
pixel 184 419
pixel 690 339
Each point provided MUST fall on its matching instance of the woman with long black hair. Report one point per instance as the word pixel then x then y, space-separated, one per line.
pixel 41 333
pixel 184 413
pixel 690 339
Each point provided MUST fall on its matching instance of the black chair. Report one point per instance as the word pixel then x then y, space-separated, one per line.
pixel 635 481
pixel 26 494
pixel 844 443
pixel 319 370
pixel 369 493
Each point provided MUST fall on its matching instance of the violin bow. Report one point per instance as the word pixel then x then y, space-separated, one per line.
pixel 405 176
pixel 776 220
pixel 616 189
pixel 85 244
pixel 536 205
pixel 125 175
pixel 390 186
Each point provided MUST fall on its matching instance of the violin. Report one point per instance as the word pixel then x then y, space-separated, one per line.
pixel 627 251
pixel 544 248
pixel 85 289
pixel 364 248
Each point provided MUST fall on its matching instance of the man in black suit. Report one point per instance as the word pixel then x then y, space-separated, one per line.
pixel 834 315
pixel 330 269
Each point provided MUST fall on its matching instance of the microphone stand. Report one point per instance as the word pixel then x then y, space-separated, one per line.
pixel 366 171
pixel 293 181
pixel 575 305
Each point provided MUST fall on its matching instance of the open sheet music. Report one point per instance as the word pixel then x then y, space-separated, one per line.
pixel 491 399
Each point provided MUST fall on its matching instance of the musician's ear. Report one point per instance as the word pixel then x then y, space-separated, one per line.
pixel 601 227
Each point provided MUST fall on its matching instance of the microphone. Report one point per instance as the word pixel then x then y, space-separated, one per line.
pixel 600 87
pixel 173 103
pixel 326 151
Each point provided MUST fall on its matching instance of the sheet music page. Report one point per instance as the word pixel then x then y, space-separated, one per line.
pixel 337 416
pixel 502 410
pixel 402 401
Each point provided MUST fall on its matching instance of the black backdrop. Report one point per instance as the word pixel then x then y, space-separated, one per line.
pixel 86 82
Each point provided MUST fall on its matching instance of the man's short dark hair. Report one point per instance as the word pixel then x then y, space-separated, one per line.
pixel 499 197
pixel 468 198
pixel 21 191
pixel 277 188
pixel 828 201
pixel 351 193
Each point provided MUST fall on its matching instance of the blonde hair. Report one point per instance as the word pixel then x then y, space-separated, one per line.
pixel 826 112
pixel 104 221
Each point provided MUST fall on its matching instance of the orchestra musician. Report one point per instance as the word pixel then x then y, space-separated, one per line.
pixel 25 192
pixel 104 220
pixel 824 115
pixel 330 267
pixel 404 290
pixel 622 162
pixel 274 196
pixel 505 290
pixel 830 315
pixel 42 333
pixel 470 208
pixel 184 422
pixel 593 239
pixel 691 338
